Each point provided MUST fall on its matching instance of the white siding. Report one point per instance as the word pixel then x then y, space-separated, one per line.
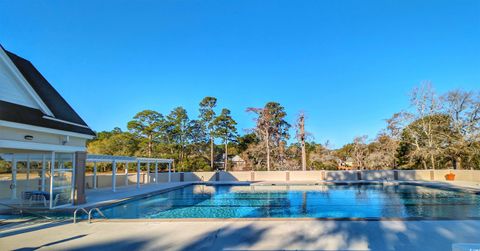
pixel 11 90
pixel 7 133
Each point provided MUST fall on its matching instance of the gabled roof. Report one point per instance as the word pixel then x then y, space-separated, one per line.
pixel 64 117
pixel 31 116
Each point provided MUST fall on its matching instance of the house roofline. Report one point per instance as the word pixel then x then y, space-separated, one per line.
pixel 44 129
pixel 25 84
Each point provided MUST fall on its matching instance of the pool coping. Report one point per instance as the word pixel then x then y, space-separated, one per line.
pixel 277 219
pixel 132 197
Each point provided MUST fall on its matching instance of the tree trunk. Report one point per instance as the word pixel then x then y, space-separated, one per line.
pixel 170 146
pixel 211 152
pixel 150 138
pixel 304 157
pixel 302 139
pixel 433 161
pixel 268 150
pixel 458 164
pixel 424 164
pixel 226 155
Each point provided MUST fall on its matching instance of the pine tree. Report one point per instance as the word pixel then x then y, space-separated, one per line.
pixel 225 128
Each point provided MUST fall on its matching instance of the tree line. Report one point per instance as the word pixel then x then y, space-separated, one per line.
pixel 435 132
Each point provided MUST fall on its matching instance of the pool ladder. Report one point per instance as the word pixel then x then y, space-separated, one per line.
pixel 89 213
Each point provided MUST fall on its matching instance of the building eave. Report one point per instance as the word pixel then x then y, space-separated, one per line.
pixel 43 129
pixel 13 144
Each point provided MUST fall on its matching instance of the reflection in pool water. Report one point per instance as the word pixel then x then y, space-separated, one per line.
pixel 319 201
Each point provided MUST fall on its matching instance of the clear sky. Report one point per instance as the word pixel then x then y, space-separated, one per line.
pixel 348 64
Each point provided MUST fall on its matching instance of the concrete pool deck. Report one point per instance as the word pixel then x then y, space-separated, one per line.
pixel 239 234
pixel 104 196
pixel 244 235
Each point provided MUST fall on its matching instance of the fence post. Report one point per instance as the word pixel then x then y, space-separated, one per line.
pixel 138 174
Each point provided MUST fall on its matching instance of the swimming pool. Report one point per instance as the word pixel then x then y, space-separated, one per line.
pixel 302 201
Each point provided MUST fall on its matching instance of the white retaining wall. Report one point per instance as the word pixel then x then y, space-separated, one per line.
pixel 105 180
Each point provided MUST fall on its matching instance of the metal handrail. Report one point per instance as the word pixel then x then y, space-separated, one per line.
pixel 98 211
pixel 75 213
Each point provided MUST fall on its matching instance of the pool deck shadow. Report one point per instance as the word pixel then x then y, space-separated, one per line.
pixel 257 235
pixel 31 226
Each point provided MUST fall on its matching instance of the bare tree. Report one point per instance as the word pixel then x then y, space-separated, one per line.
pixel 360 151
pixel 262 129
pixel 381 152
pixel 322 157
pixel 302 137
pixel 421 128
pixel 463 108
pixel 272 129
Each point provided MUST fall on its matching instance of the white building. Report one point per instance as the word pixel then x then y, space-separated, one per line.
pixel 42 139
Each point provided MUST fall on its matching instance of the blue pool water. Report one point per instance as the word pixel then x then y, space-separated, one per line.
pixel 315 201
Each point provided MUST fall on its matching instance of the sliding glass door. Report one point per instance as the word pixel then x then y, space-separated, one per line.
pixel 24 179
pixel 31 180
pixel 62 179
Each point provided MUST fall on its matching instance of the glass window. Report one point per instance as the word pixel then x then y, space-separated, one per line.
pixel 62 178
pixel 24 179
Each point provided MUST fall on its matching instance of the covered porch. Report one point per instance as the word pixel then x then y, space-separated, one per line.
pixel 139 163
pixel 51 180
pixel 37 179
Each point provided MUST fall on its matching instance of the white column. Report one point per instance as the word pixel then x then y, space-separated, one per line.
pixel 52 174
pixel 126 173
pixel 156 172
pixel 28 172
pixel 13 186
pixel 72 193
pixel 138 174
pixel 114 175
pixel 148 173
pixel 44 167
pixel 95 175
pixel 169 172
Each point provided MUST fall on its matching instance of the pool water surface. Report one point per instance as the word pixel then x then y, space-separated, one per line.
pixel 301 201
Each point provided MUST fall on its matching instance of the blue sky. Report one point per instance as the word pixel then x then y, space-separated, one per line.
pixel 348 64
